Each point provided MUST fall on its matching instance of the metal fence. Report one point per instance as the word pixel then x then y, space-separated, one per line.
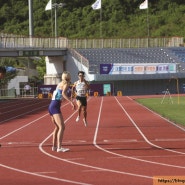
pixel 9 41
pixel 19 92
pixel 126 43
pixel 29 42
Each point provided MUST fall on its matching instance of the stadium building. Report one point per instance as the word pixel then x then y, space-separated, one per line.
pixel 136 66
pixel 130 71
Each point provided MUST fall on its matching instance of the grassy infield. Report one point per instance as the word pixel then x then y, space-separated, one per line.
pixel 173 110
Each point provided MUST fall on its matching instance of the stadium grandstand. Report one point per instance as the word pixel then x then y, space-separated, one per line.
pixel 128 66
pixel 134 71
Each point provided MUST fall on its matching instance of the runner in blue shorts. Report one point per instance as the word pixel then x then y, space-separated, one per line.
pixel 56 114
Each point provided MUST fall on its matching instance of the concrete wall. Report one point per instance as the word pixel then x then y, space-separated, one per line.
pixel 15 83
pixel 54 68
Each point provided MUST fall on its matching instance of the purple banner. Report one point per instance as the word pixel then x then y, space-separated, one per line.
pixel 105 68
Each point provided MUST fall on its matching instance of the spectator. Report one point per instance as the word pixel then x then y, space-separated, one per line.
pixel 27 89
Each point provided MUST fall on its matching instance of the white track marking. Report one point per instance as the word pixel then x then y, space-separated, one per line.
pixel 178 126
pixel 105 169
pixel 175 139
pixel 124 156
pixel 88 166
pixel 38 173
pixel 20 128
pixel 121 140
pixel 43 176
pixel 141 133
pixel 25 113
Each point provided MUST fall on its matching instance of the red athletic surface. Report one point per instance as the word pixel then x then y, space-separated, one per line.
pixel 124 144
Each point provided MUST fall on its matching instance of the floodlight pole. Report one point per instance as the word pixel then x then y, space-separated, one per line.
pixel 148 28
pixel 31 30
pixel 56 6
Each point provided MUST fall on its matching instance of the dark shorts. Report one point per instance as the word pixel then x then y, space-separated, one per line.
pixel 54 107
pixel 83 100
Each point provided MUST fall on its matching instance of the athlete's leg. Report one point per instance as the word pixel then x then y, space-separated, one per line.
pixel 84 109
pixel 54 133
pixel 61 127
pixel 79 109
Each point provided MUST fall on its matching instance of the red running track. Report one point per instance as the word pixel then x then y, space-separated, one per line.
pixel 124 143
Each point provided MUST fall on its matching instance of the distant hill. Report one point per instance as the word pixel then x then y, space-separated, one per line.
pixel 119 18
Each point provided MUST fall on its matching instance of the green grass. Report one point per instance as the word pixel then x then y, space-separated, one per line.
pixel 173 111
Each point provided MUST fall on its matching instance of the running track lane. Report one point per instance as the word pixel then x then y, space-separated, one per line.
pixel 124 144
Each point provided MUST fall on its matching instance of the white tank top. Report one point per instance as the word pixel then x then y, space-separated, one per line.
pixel 81 89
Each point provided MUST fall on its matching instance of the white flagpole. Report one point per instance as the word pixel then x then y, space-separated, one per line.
pixel 144 5
pixel 96 6
pixel 148 26
pixel 49 7
pixel 101 22
pixel 52 22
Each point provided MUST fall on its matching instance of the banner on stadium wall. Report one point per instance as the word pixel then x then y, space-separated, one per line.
pixel 138 69
pixel 148 68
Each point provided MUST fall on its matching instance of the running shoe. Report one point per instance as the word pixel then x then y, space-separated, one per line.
pixel 54 148
pixel 85 122
pixel 77 119
pixel 62 149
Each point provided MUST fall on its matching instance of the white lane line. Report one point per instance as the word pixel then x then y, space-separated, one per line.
pixel 44 172
pixel 88 166
pixel 20 128
pixel 129 157
pixel 25 113
pixel 175 139
pixel 85 165
pixel 115 154
pixel 43 176
pixel 37 174
pixel 181 127
pixel 75 159
pixel 93 167
pixel 149 156
pixel 74 141
pixel 142 134
pixel 120 140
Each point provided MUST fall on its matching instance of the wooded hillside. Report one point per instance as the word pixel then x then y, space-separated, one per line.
pixel 120 18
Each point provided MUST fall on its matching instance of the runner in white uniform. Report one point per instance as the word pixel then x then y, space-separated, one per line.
pixel 81 86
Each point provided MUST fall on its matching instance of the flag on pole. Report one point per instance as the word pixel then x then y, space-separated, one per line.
pixel 49 5
pixel 144 5
pixel 96 5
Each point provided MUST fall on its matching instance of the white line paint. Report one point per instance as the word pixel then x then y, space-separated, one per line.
pixel 38 173
pixel 141 133
pixel 43 176
pixel 10 133
pixel 85 165
pixel 88 166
